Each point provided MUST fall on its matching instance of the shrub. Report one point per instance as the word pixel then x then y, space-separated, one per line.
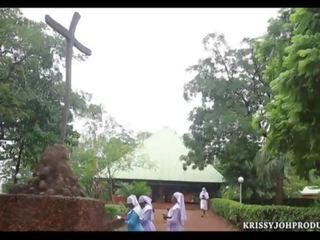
pixel 238 213
pixel 7 186
pixel 114 209
pixel 316 204
pixel 229 193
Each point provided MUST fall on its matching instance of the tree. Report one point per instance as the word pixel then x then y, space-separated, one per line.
pixel 83 162
pixel 232 91
pixel 270 50
pixel 274 171
pixel 31 92
pixel 106 148
pixel 141 136
pixel 114 155
pixel 294 112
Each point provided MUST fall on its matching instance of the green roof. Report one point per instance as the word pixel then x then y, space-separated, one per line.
pixel 164 149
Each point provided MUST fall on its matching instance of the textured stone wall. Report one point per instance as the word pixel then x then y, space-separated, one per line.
pixel 29 212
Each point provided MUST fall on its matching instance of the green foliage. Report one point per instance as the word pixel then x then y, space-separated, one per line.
pixel 232 91
pixel 294 113
pixel 238 213
pixel 316 204
pixel 7 186
pixel 115 210
pixel 314 178
pixel 83 163
pixel 31 92
pixel 293 185
pixel 107 148
pixel 137 188
pixel 229 193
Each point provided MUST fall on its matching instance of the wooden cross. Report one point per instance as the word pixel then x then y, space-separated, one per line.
pixel 71 41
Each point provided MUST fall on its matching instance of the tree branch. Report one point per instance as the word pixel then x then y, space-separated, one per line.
pixel 230 76
pixel 246 102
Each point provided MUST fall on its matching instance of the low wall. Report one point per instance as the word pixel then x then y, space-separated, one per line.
pixel 50 213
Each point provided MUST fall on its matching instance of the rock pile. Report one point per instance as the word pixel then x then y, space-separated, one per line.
pixel 53 175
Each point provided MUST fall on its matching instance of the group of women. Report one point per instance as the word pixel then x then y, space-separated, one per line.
pixel 141 214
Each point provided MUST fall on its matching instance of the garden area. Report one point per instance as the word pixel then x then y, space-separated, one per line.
pixel 257 123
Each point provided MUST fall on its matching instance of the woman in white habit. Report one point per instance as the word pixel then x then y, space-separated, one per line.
pixel 204 196
pixel 177 213
pixel 147 216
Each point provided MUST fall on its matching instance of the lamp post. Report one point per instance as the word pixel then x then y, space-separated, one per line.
pixel 240 180
pixel 18 176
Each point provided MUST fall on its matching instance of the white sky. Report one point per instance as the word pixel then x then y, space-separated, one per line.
pixel 139 56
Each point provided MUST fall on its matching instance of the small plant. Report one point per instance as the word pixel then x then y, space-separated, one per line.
pixel 115 210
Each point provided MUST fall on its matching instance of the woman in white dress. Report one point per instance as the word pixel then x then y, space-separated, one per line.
pixel 204 196
pixel 147 216
pixel 177 213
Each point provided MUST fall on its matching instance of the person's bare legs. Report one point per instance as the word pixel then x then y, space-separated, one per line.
pixel 204 212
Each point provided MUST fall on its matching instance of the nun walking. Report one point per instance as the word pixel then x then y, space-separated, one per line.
pixel 134 216
pixel 204 196
pixel 177 213
pixel 147 213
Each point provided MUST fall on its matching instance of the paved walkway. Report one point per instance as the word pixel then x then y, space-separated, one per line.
pixel 210 222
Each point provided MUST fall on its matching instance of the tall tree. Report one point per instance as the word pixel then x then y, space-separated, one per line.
pixel 294 113
pixel 232 91
pixel 31 91
pixel 270 50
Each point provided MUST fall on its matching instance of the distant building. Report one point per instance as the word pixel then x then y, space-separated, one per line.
pixel 163 149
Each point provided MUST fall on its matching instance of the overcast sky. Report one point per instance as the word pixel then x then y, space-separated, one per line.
pixel 139 56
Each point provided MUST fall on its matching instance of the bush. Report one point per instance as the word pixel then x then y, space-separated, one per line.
pixel 136 188
pixel 229 193
pixel 114 209
pixel 316 204
pixel 7 186
pixel 238 213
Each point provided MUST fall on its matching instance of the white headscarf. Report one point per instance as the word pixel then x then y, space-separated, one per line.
pixel 204 193
pixel 180 200
pixel 147 200
pixel 133 200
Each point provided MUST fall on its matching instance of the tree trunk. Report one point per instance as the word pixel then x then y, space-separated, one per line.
pixel 279 190
pixel 110 182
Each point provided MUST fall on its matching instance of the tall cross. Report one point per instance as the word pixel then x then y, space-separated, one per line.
pixel 71 41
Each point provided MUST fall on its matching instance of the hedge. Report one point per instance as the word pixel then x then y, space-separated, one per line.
pixel 115 209
pixel 238 213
